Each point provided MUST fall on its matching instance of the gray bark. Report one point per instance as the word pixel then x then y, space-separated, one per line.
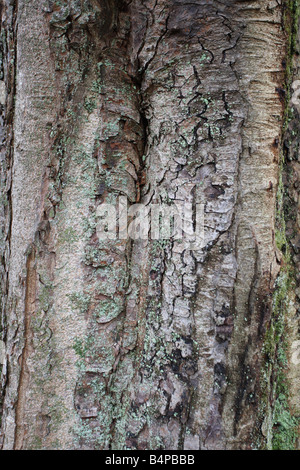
pixel 142 344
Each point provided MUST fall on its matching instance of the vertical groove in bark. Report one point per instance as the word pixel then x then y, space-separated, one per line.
pixel 27 166
pixel 30 306
pixel 8 30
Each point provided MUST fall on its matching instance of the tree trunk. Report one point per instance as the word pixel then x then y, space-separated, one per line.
pixel 140 343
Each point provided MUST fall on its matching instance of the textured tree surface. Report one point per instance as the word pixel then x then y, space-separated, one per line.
pixel 147 344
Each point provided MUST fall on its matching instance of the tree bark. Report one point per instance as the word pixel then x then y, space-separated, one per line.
pixel 145 344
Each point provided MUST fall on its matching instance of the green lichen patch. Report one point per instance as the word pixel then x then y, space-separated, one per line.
pixel 290 20
pixel 280 427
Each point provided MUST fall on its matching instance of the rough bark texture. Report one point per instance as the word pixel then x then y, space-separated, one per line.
pixel 148 344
